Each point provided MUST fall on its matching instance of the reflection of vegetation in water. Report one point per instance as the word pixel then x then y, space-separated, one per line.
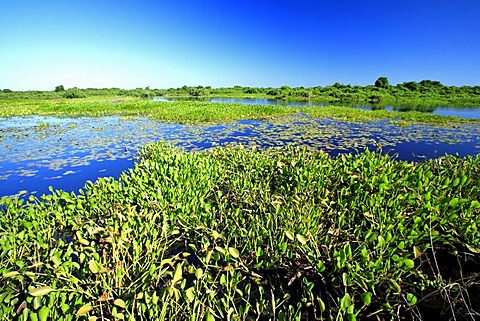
pixel 249 234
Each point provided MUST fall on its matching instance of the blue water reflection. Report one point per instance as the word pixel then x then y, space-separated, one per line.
pixel 465 112
pixel 38 152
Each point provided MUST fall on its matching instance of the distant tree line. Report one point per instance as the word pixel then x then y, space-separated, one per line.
pixel 380 92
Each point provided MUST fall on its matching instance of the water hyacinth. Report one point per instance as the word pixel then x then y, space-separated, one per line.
pixel 249 234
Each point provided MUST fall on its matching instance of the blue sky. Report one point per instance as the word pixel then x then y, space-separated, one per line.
pixel 163 44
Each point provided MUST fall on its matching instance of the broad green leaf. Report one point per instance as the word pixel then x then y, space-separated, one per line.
pixel 56 259
pixel 302 239
pixel 119 303
pixel 409 264
pixel 475 204
pixel 472 248
pixel 233 252
pixel 345 302
pixel 43 313
pixel 10 274
pixel 456 181
pixel 94 266
pixel 216 235
pixel 453 202
pixel 289 235
pixel 40 291
pixel 321 304
pixel 411 299
pixel 84 309
pixel 366 298
pixel 209 316
pixel 190 294
pixel 177 276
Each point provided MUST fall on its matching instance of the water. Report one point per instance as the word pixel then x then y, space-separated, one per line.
pixel 465 112
pixel 38 152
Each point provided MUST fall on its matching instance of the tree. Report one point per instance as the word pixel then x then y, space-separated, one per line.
pixel 59 88
pixel 382 82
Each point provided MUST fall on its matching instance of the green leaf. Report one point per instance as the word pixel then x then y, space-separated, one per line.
pixel 56 259
pixel 216 235
pixel 43 313
pixel 472 248
pixel 321 304
pixel 94 266
pixel 409 264
pixel 10 274
pixel 289 235
pixel 366 298
pixel 456 181
pixel 84 309
pixel 209 316
pixel 453 202
pixel 475 204
pixel 40 291
pixel 417 252
pixel 411 299
pixel 302 239
pixel 190 294
pixel 177 276
pixel 345 302
pixel 233 252
pixel 119 303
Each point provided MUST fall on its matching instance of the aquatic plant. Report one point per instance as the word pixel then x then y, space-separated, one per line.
pixel 202 112
pixel 235 234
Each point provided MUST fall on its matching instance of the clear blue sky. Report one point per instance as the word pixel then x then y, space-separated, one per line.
pixel 171 43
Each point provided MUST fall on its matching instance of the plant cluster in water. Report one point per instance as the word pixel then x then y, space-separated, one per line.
pixel 236 234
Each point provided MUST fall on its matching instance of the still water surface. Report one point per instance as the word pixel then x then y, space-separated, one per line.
pixel 465 112
pixel 38 152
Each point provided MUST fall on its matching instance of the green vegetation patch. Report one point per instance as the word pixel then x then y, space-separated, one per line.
pixel 195 112
pixel 234 234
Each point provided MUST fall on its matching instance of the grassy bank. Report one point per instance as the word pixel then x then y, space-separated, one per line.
pixel 232 234
pixel 201 112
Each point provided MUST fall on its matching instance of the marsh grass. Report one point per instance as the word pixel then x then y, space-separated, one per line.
pixel 235 234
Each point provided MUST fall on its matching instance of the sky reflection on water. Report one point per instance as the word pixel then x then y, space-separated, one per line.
pixel 465 112
pixel 38 152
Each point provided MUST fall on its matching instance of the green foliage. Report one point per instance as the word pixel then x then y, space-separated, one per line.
pixel 73 93
pixel 245 234
pixel 59 88
pixel 382 82
pixel 423 93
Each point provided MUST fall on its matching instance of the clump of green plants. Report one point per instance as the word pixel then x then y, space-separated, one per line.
pixel 236 234
pixel 73 93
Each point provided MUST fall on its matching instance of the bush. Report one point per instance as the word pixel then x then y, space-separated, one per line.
pixel 74 93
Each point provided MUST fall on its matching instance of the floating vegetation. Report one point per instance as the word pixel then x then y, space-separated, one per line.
pixel 250 234
pixel 80 142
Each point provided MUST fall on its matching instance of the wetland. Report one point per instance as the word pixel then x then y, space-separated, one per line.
pixel 124 208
